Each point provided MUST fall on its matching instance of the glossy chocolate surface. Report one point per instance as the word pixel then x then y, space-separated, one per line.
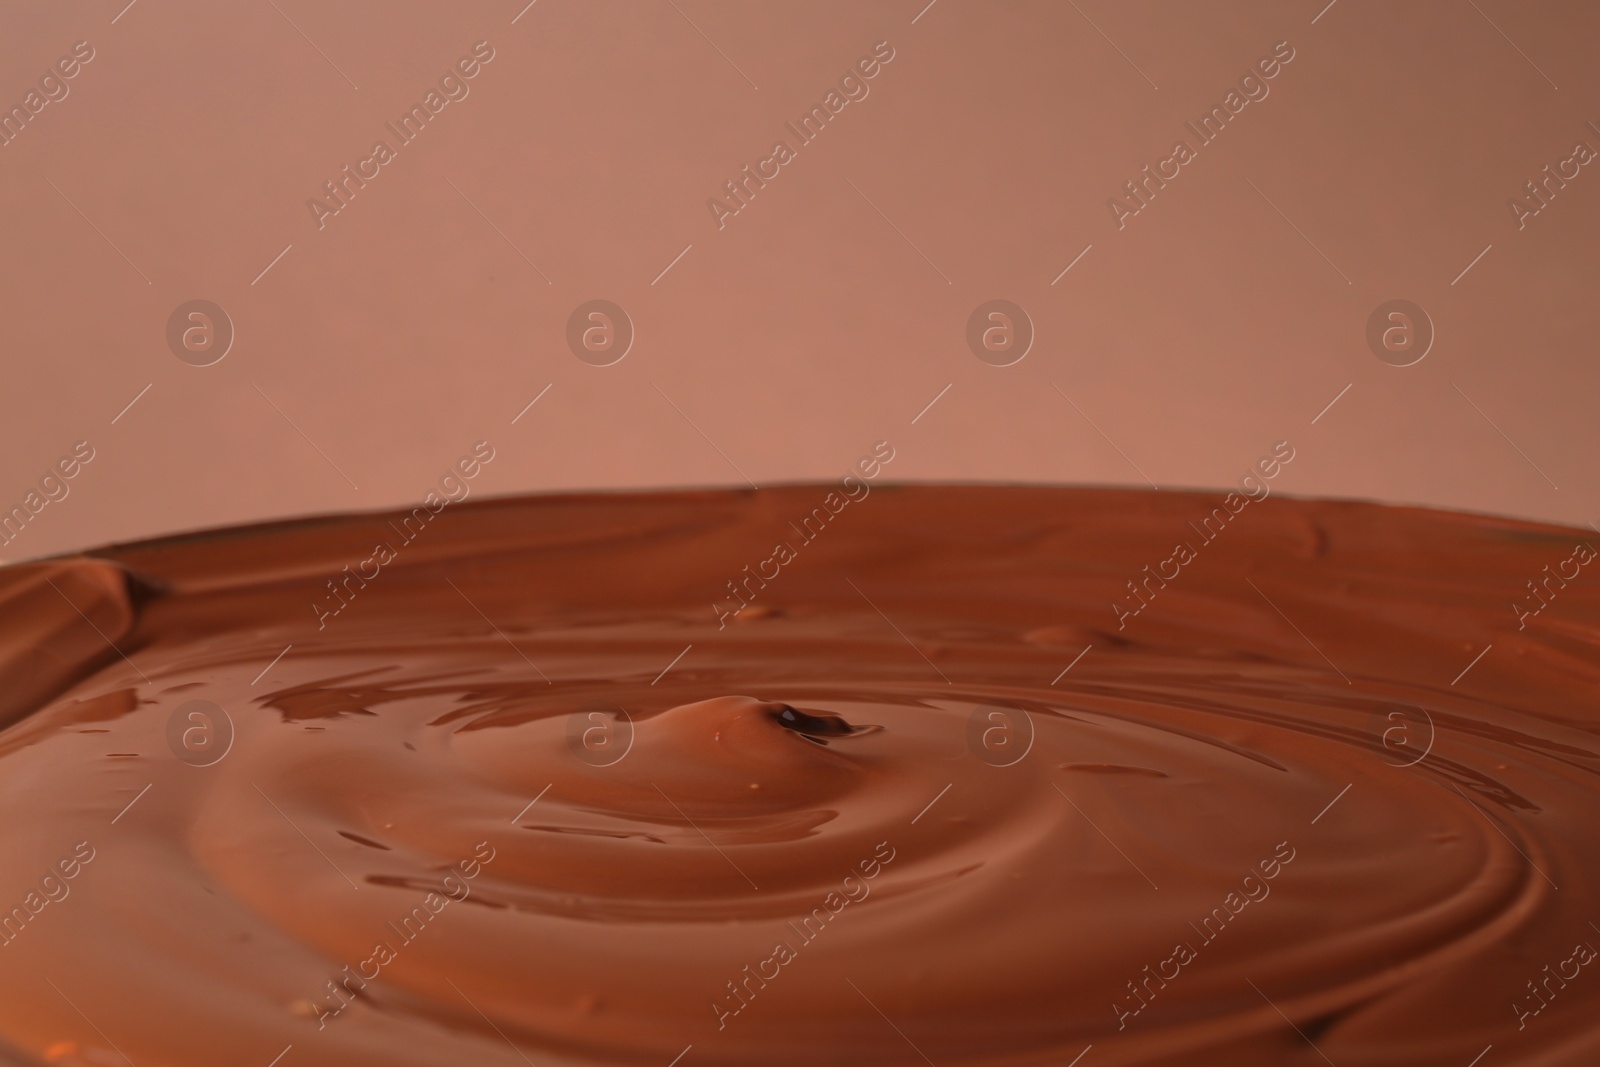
pixel 545 790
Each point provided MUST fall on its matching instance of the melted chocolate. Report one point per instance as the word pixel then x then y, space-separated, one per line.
pixel 814 727
pixel 535 795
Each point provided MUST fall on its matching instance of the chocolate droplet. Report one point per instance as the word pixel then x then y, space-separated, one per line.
pixel 814 725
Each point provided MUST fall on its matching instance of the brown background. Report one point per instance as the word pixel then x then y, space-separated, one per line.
pixel 829 312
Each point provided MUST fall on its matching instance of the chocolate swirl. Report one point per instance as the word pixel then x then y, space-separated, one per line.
pixel 531 797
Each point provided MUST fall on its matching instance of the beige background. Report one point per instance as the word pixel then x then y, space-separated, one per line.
pixel 826 315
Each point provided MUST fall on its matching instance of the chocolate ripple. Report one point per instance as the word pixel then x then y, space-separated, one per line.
pixel 530 797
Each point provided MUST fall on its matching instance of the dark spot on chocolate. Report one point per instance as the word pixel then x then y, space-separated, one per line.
pixel 358 839
pixel 814 726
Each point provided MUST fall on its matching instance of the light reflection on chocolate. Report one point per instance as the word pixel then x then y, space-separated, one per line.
pixel 801 858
